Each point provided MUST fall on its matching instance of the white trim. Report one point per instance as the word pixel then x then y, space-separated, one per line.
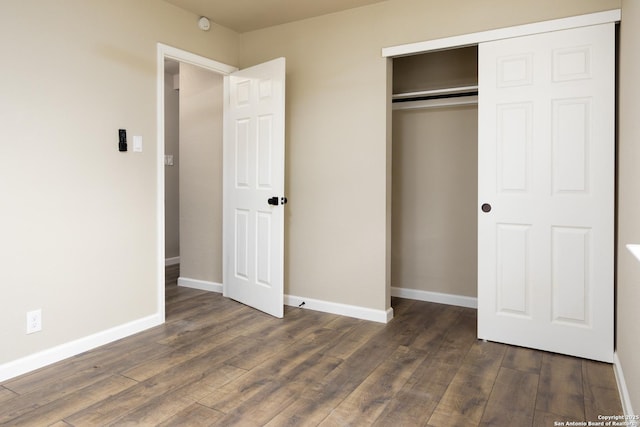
pixel 55 354
pixel 503 33
pixel 635 250
pixel 168 52
pixel 381 316
pixel 389 313
pixel 203 285
pixel 622 386
pixel 309 303
pixel 437 297
pixel 172 261
pixel 160 238
pixel 180 55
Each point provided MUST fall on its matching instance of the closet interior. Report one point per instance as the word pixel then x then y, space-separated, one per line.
pixel 434 173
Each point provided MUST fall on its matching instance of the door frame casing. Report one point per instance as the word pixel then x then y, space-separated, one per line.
pixel 470 39
pixel 168 52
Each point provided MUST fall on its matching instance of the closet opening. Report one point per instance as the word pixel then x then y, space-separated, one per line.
pixel 434 176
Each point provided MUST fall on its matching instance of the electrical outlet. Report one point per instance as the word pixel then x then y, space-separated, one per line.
pixel 34 321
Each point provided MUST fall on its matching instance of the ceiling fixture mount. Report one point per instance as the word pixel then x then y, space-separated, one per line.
pixel 204 24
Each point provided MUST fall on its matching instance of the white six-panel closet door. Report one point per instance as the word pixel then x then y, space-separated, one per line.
pixel 546 191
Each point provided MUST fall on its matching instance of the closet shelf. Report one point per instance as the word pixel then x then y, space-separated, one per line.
pixel 410 104
pixel 436 93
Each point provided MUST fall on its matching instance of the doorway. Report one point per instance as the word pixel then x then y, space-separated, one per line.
pixel 193 175
pixel 172 170
pixel 202 79
pixel 172 164
pixel 250 198
pixel 434 177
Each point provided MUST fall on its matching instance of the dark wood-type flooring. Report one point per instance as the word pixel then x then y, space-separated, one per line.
pixel 218 362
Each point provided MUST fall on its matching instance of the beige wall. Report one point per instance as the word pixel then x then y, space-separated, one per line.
pixel 171 173
pixel 200 174
pixel 79 221
pixel 628 298
pixel 436 70
pixel 337 164
pixel 435 192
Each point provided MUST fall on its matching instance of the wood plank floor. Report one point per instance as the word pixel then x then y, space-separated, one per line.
pixel 218 363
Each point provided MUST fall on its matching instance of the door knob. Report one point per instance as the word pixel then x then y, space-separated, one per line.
pixel 486 207
pixel 275 201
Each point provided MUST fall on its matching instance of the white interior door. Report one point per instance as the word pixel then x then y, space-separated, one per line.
pixel 253 211
pixel 546 169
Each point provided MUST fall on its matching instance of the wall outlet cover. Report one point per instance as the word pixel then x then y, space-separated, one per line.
pixel 34 321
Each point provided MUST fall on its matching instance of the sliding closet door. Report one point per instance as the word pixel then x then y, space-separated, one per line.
pixel 546 191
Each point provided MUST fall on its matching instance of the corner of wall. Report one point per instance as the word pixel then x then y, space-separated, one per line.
pixel 625 398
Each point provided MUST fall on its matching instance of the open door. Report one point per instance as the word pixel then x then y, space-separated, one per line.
pixel 546 191
pixel 253 188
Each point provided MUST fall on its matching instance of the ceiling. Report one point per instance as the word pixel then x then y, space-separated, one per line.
pixel 249 15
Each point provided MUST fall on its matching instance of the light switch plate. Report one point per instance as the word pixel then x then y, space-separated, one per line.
pixel 137 143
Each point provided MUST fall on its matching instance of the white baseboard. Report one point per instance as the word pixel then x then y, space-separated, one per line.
pixel 309 303
pixel 52 355
pixel 172 261
pixel 622 386
pixel 381 316
pixel 47 357
pixel 437 297
pixel 203 285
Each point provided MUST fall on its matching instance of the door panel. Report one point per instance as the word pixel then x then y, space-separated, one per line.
pixel 514 150
pixel 254 172
pixel 570 287
pixel 546 167
pixel 570 127
pixel 513 253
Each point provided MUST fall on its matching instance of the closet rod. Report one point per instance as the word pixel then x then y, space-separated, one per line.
pixel 436 103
